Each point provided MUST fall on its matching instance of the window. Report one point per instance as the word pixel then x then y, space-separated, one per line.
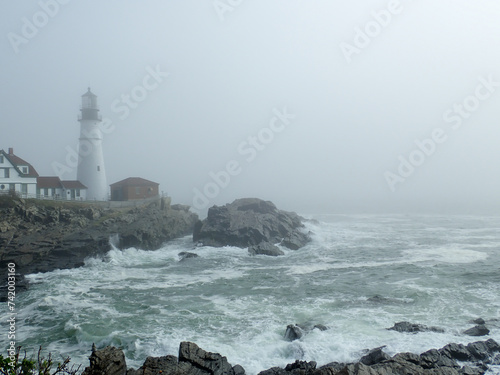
pixel 46 191
pixel 6 173
pixel 98 168
pixel 24 188
pixel 137 190
pixel 1 159
pixel 77 192
pixel 24 170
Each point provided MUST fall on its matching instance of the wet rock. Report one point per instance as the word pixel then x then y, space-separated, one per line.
pixel 186 255
pixel 58 235
pixel 107 361
pixel 479 330
pixel 249 221
pixel 374 356
pixel 414 328
pixel 293 332
pixel 206 362
pixel 478 321
pixel 265 248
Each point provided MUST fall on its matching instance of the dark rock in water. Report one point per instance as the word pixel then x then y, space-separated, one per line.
pixel 249 221
pixel 206 362
pixel 107 361
pixel 296 331
pixel 265 248
pixel 293 332
pixel 185 255
pixel 321 327
pixel 479 330
pixel 374 356
pixel 478 321
pixel 414 328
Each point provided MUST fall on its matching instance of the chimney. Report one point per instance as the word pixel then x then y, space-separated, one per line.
pixel 11 151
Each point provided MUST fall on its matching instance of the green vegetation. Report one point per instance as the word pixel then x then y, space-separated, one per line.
pixel 13 365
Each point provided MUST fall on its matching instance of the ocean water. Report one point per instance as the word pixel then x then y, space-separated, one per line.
pixel 434 270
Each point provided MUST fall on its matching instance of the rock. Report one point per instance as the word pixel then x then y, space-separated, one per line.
pixel 206 362
pixel 186 255
pixel 265 248
pixel 414 328
pixel 163 365
pixel 296 331
pixel 296 368
pixel 478 321
pixel 321 327
pixel 293 332
pixel 479 330
pixel 248 222
pixel 107 361
pixel 374 356
pixel 42 237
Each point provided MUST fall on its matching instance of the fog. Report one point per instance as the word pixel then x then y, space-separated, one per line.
pixel 321 106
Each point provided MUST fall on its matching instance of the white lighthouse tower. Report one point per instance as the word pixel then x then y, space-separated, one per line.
pixel 91 170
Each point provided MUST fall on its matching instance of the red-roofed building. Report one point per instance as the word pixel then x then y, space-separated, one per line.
pixel 54 188
pixel 133 188
pixel 16 175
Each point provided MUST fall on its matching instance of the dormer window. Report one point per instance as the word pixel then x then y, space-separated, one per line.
pixel 24 170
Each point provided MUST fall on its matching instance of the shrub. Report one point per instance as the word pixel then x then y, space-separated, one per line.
pixel 13 365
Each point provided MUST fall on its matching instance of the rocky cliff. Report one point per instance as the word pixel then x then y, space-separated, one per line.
pixel 251 222
pixel 41 236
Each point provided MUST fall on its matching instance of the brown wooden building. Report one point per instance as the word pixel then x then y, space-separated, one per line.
pixel 133 188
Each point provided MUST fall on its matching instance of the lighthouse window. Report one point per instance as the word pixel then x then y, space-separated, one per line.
pixel 98 168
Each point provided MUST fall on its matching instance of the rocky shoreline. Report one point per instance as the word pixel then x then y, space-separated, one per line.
pixel 453 359
pixel 42 236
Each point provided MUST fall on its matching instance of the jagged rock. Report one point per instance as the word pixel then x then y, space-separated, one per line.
pixel 107 361
pixel 248 222
pixel 414 328
pixel 478 321
pixel 296 331
pixel 206 362
pixel 374 356
pixel 265 248
pixel 296 368
pixel 479 330
pixel 186 255
pixel 293 332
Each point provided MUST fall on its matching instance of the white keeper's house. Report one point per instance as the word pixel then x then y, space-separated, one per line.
pixel 19 177
pixel 16 174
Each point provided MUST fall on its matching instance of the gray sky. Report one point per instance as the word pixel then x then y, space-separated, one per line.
pixel 359 84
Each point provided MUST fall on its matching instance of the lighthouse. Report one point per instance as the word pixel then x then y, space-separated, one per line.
pixel 91 170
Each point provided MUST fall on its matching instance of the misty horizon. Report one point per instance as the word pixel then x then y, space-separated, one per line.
pixel 319 107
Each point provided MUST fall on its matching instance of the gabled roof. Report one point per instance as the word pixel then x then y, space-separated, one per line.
pixel 48 182
pixel 134 181
pixel 73 185
pixel 17 162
